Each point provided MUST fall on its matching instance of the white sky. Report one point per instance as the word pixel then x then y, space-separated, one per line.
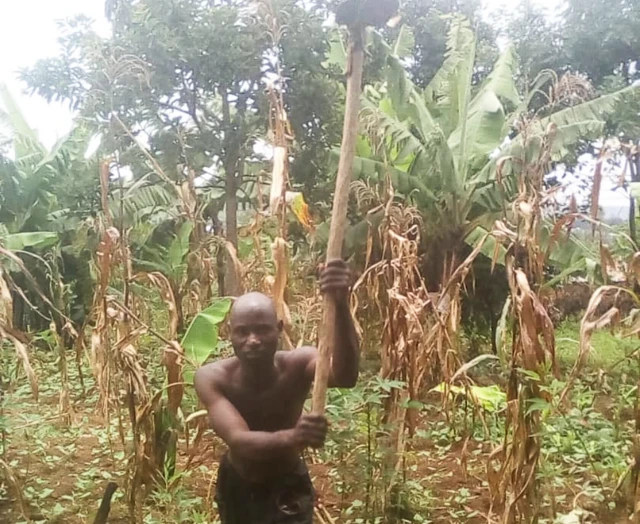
pixel 28 32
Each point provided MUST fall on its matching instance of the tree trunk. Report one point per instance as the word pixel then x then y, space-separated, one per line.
pixel 634 167
pixel 218 231
pixel 632 220
pixel 231 217
pixel 220 263
pixel 232 162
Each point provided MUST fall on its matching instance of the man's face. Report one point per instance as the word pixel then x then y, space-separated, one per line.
pixel 254 336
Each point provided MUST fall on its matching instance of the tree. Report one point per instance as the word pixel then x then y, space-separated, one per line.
pixel 430 21
pixel 596 38
pixel 437 141
pixel 602 38
pixel 313 94
pixel 197 110
pixel 163 75
pixel 538 41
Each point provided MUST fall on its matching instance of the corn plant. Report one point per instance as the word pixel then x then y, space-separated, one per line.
pixel 515 483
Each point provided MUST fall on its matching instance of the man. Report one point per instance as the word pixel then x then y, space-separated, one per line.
pixel 255 403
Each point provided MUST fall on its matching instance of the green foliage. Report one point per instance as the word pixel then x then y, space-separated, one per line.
pixel 441 145
pixel 38 187
pixel 201 338
pixel 361 436
pixel 47 199
pixel 607 351
pixel 491 398
pixel 186 80
pixel 144 205
pixel 442 137
pixel 430 21
pixel 595 39
pixel 35 240
pixel 170 260
pixel 537 39
pixel 602 37
pixel 314 94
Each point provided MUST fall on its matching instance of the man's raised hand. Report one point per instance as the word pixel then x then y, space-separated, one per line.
pixel 335 279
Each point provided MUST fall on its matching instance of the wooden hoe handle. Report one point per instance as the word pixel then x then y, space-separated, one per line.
pixel 355 63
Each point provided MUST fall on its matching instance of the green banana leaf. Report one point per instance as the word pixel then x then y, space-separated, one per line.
pixel 201 339
pixel 35 240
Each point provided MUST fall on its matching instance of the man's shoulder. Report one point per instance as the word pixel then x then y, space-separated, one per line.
pixel 299 356
pixel 216 373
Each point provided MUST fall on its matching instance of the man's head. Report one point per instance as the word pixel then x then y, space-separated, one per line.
pixel 255 329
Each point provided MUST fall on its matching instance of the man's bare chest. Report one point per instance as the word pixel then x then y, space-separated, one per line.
pixel 270 409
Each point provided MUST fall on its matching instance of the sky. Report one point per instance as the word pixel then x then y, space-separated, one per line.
pixel 28 32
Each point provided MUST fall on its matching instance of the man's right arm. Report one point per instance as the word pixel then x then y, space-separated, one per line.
pixel 231 427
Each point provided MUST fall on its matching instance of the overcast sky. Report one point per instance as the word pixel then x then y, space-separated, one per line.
pixel 28 32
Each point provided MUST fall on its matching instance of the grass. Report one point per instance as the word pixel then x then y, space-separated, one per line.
pixel 608 352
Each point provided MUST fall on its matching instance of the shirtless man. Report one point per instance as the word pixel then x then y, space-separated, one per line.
pixel 255 403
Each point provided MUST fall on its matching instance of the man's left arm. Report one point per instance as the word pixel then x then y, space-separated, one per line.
pixel 345 360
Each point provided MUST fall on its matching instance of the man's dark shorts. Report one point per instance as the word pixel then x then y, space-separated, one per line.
pixel 285 500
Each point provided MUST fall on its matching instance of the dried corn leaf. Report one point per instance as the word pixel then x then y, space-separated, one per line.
pixel 237 269
pixel 470 365
pixel 607 263
pixel 159 281
pixel 278 178
pixel 513 484
pixel 104 190
pixel 13 482
pixel 129 363
pixel 23 357
pixel 6 302
pixel 281 263
pixel 590 323
pixel 172 360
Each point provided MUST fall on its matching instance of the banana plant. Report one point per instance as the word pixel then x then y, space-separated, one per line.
pixel 39 186
pixel 201 338
pixel 46 196
pixel 168 256
pixel 444 147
